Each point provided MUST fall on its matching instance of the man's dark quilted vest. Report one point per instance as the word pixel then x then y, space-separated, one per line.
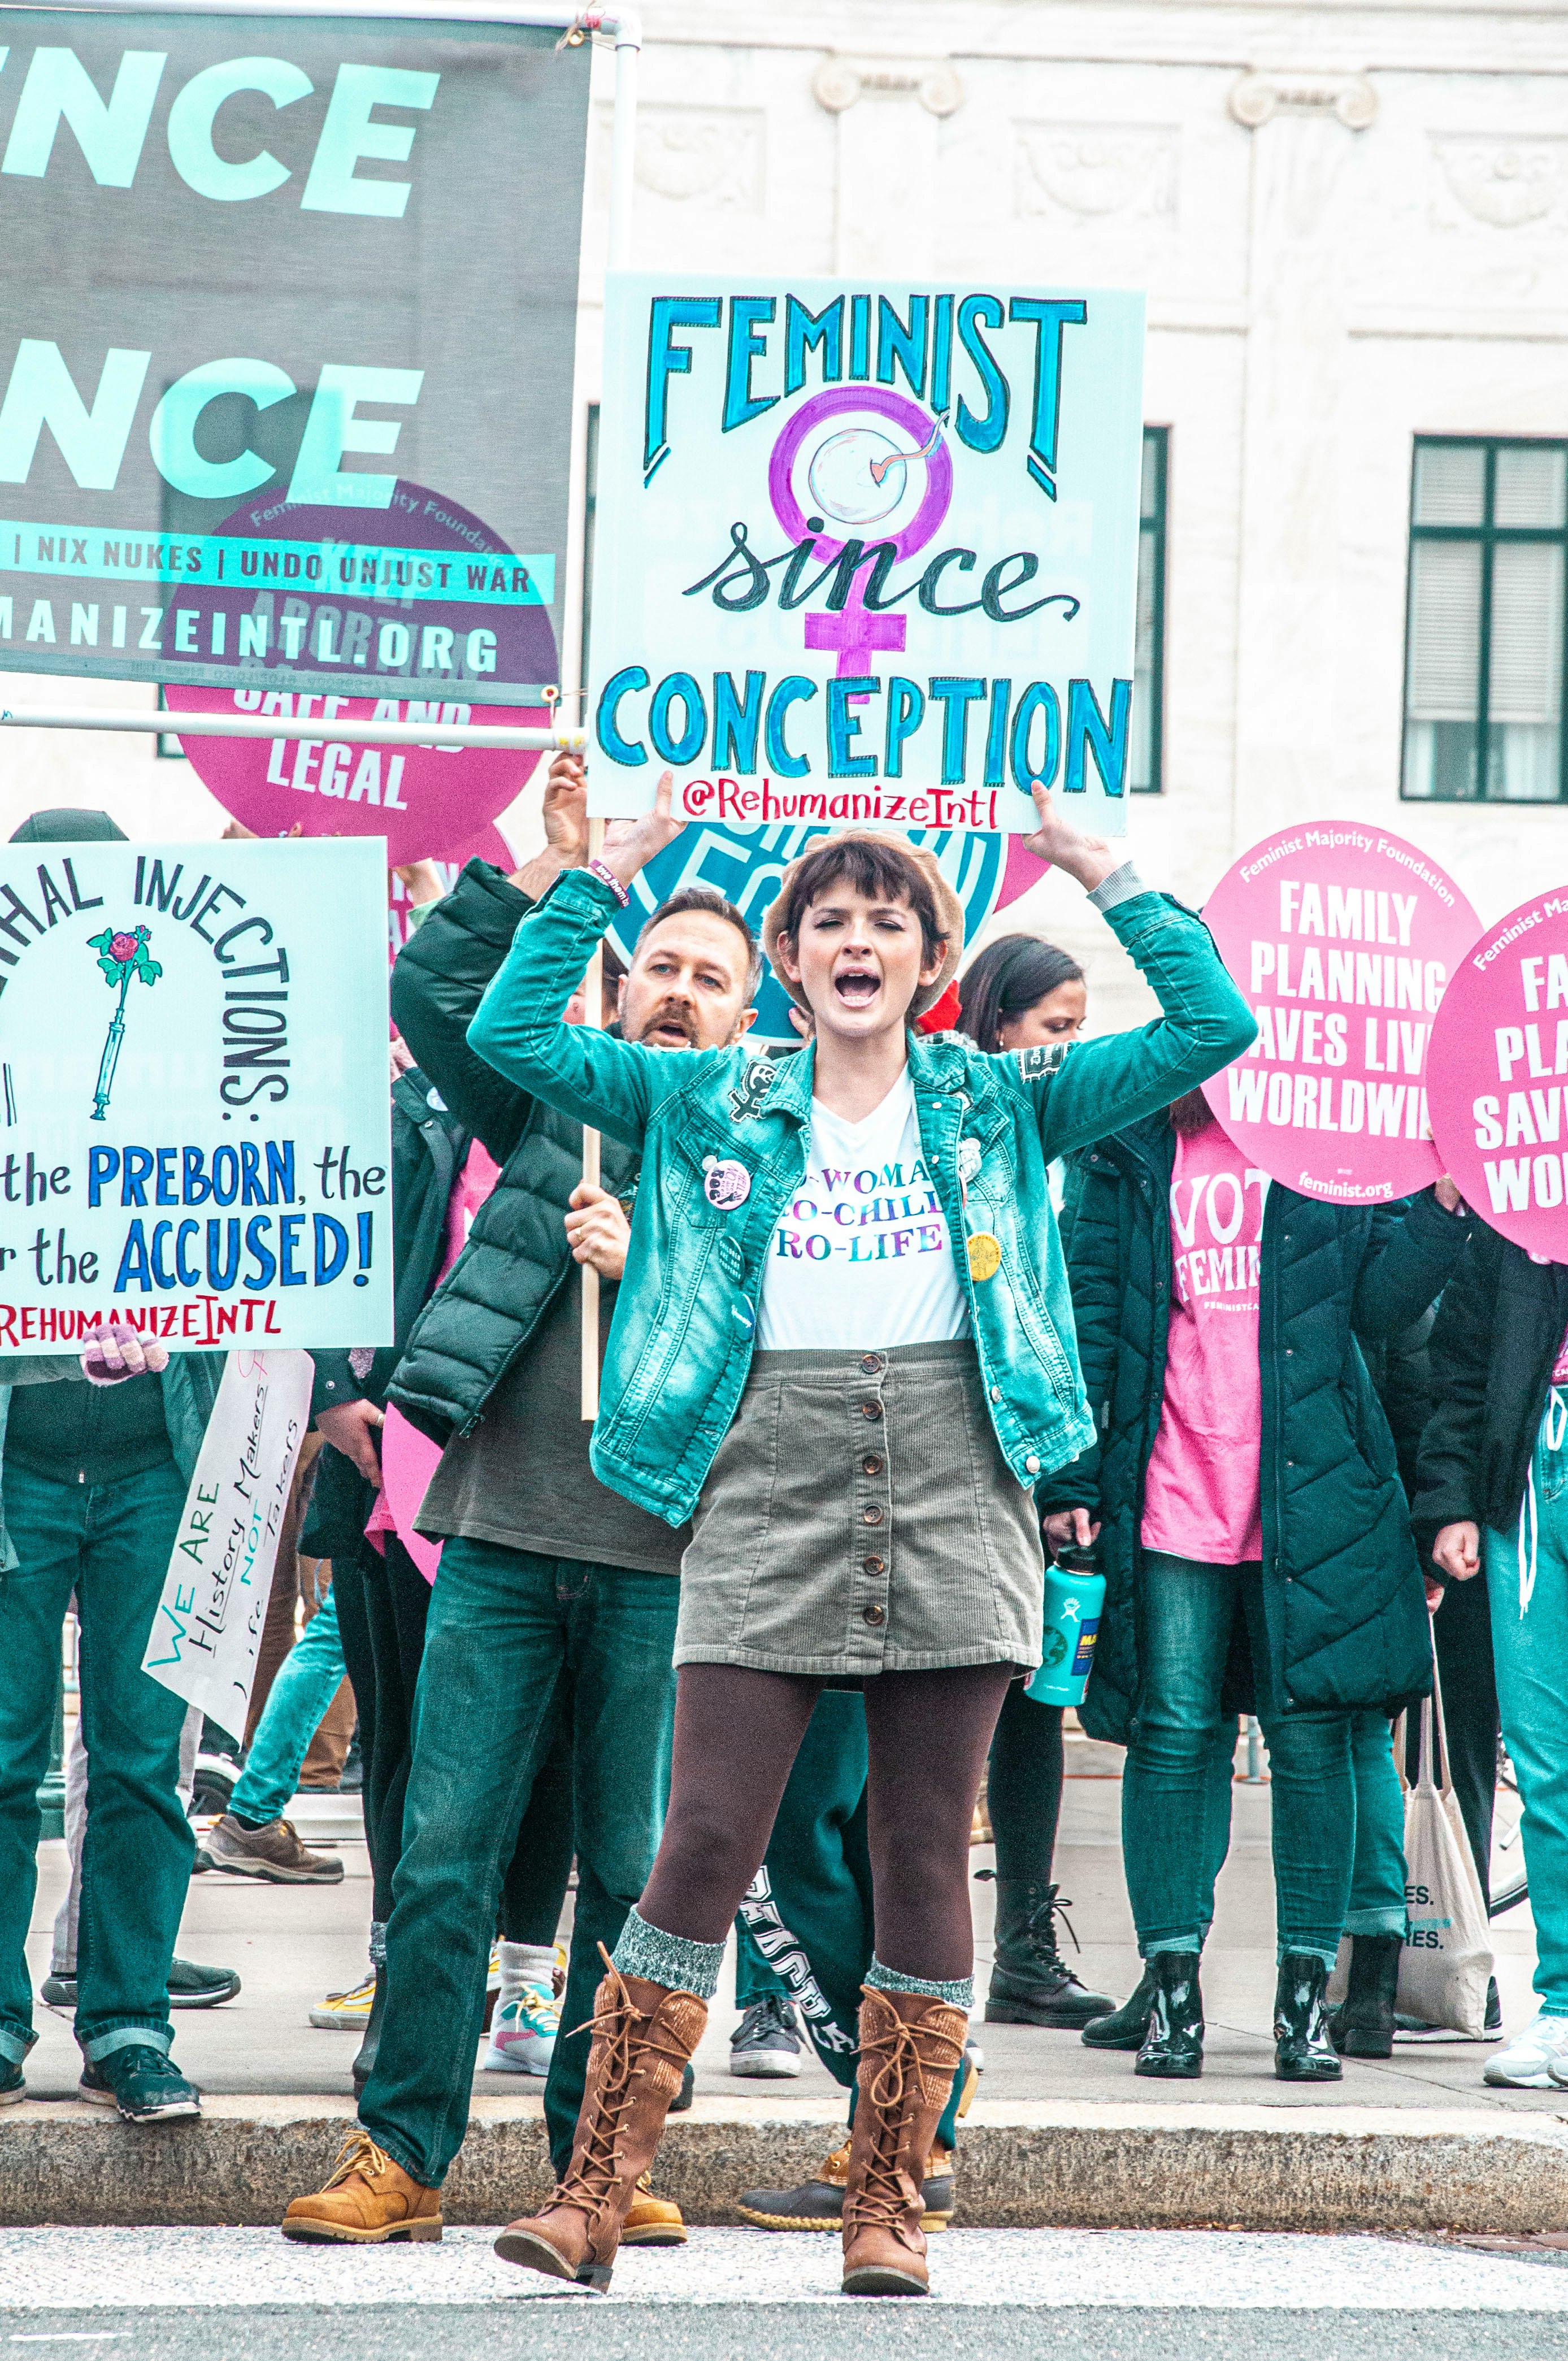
pixel 482 1316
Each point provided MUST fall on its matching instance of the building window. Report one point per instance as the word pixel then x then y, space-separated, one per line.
pixel 1484 651
pixel 1149 662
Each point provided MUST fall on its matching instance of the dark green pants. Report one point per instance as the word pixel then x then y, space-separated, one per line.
pixel 110 1544
pixel 805 1926
pixel 513 1643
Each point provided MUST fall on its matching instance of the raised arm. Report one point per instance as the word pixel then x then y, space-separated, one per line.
pixel 445 968
pixel 1089 1089
pixel 576 1069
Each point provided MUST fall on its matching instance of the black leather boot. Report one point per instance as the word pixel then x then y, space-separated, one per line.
pixel 1031 1983
pixel 1125 2026
pixel 365 2058
pixel 1173 2045
pixel 1302 2050
pixel 1363 2024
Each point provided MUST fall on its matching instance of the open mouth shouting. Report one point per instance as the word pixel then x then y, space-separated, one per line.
pixel 672 1028
pixel 856 985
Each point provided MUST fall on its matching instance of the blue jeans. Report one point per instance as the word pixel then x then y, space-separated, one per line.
pixel 307 1681
pixel 513 1640
pixel 111 1544
pixel 1527 1581
pixel 1168 1807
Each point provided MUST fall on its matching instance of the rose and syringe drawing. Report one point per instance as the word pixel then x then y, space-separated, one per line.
pixel 122 954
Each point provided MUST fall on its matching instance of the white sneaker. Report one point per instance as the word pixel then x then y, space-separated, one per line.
pixel 528 2015
pixel 1535 2060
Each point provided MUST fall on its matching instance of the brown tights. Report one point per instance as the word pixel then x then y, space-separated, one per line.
pixel 737 1733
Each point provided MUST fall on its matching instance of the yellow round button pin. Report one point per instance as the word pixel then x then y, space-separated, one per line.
pixel 984 1255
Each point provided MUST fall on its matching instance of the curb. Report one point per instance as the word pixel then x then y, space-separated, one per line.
pixel 1083 2165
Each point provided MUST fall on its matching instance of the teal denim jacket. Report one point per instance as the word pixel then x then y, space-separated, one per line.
pixel 684 1323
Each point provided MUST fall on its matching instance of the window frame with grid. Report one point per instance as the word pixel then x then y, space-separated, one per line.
pixel 1480 618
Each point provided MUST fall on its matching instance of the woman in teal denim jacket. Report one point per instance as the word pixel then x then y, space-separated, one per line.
pixel 919 1447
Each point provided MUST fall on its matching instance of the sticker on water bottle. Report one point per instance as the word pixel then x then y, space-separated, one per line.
pixel 1088 1632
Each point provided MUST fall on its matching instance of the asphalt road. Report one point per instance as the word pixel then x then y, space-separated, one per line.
pixel 743 2295
pixel 561 2330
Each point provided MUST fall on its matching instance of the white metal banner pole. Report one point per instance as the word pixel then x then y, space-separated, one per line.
pixel 625 28
pixel 274 725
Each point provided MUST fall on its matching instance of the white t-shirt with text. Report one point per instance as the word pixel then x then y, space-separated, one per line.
pixel 862 1258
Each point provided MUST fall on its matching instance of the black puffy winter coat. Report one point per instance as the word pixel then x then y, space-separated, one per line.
pixel 1496 1336
pixel 1342 1597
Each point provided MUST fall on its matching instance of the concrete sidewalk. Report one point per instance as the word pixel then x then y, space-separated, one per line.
pixel 1059 2132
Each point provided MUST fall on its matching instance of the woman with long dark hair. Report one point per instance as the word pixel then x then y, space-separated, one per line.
pixel 1016 993
pixel 844 1339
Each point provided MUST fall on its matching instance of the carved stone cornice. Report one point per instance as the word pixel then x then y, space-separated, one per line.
pixel 841 82
pixel 1269 91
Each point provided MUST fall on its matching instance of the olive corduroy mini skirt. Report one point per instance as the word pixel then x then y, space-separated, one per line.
pixel 859 1517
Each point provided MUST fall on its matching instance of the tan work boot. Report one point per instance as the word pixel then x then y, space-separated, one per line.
pixel 910 2048
pixel 644 2035
pixel 652 2221
pixel 273 1853
pixel 369 2201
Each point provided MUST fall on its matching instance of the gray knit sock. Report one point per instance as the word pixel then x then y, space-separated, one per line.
pixel 674 1961
pixel 378 1942
pixel 959 1993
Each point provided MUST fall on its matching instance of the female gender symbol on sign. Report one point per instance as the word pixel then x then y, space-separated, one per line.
pixel 857 476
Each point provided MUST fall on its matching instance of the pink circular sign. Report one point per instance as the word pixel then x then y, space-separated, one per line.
pixel 1500 1076
pixel 1343 939
pixel 427 801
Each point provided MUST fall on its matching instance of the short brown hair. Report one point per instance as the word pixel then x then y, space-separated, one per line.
pixel 875 867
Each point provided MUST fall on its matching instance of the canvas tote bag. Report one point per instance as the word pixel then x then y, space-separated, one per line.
pixel 1446 1964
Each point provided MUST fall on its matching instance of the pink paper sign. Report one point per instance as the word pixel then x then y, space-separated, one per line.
pixel 1343 939
pixel 430 803
pixel 428 800
pixel 408 1460
pixel 1500 1075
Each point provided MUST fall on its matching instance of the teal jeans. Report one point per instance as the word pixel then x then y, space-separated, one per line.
pixel 307 1681
pixel 1527 1582
pixel 513 1643
pixel 1168 1792
pixel 111 1544
pixel 1377 1900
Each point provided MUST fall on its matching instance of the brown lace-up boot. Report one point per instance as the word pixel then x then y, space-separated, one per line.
pixel 644 2035
pixel 910 2048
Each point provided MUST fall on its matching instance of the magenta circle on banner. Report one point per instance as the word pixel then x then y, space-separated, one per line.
pixel 859 401
pixel 427 801
pixel 1499 1077
pixel 1342 938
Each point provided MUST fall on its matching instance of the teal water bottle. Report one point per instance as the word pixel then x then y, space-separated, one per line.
pixel 1075 1594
